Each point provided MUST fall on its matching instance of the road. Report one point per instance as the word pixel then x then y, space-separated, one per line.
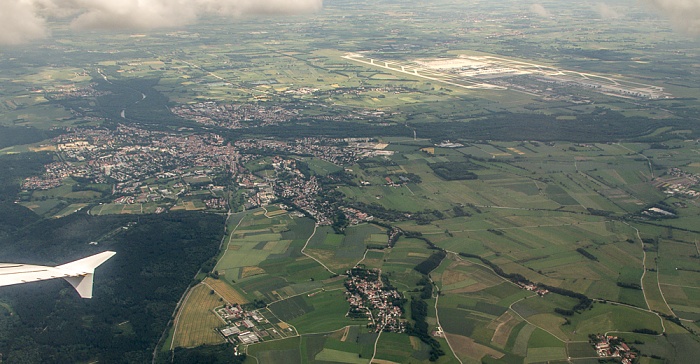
pixel 317 261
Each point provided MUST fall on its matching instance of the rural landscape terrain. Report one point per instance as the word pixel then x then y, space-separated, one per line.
pixel 374 182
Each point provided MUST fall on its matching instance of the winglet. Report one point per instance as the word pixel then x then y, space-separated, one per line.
pixel 80 272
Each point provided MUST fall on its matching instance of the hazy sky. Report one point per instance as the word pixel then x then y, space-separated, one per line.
pixel 684 15
pixel 25 20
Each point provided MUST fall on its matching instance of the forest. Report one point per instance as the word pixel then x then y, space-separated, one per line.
pixel 135 292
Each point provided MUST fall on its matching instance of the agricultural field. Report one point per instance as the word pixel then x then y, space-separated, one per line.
pixel 225 291
pixel 344 340
pixel 252 241
pixel 342 252
pixel 515 149
pixel 196 322
pixel 537 214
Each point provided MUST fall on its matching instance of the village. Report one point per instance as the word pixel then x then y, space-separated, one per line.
pixel 342 152
pixel 611 346
pixel 370 297
pixel 678 183
pixel 240 116
pixel 234 116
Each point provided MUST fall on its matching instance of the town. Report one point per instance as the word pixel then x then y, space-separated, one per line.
pixel 369 296
pixel 134 166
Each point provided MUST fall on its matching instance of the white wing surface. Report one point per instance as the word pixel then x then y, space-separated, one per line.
pixel 78 273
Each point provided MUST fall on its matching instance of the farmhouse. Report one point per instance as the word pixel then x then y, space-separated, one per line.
pixel 231 330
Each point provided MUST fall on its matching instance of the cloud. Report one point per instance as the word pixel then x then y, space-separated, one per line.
pixel 20 23
pixel 684 14
pixel 24 20
pixel 606 12
pixel 540 10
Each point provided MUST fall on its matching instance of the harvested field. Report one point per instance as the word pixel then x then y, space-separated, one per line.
pixel 415 343
pixel 196 322
pixel 450 277
pixel 228 293
pixel 505 325
pixel 466 347
pixel 472 288
pixel 251 271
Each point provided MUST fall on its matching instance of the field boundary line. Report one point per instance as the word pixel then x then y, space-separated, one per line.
pixel 633 307
pixel 516 227
pixel 437 320
pixel 644 265
pixel 376 342
pixel 658 283
pixel 230 236
pixel 277 317
pixel 217 293
pixel 363 257
pixel 437 298
pixel 526 320
pixel 459 258
pixel 179 313
pixel 307 243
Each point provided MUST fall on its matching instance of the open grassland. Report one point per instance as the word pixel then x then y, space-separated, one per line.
pixel 468 350
pixel 528 215
pixel 280 351
pixel 331 305
pixel 400 348
pixel 341 252
pixel 196 321
pixel 600 318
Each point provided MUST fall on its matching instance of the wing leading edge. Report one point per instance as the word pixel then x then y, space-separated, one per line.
pixel 78 273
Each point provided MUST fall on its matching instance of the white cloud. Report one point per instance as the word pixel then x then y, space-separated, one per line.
pixel 540 10
pixel 19 22
pixel 606 12
pixel 684 14
pixel 23 20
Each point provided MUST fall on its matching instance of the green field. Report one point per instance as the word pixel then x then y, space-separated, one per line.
pixel 538 140
pixel 341 252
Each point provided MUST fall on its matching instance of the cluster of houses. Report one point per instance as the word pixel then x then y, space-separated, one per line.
pixel 369 297
pixel 534 288
pixel 72 92
pixel 612 346
pixel 216 203
pixel 130 159
pixel 128 156
pixel 304 192
pixel 342 152
pixel 356 216
pixel 242 326
pixel 235 116
pixel 678 183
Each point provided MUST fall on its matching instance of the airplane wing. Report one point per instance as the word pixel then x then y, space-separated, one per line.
pixel 78 273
